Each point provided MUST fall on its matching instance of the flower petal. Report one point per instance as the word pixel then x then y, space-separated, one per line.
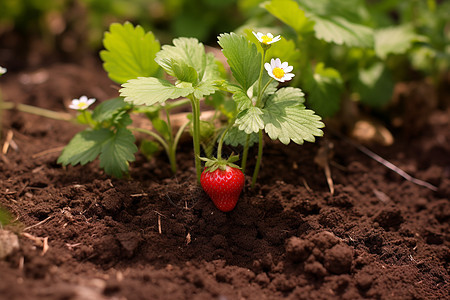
pixel 268 67
pixel 288 69
pixel 276 63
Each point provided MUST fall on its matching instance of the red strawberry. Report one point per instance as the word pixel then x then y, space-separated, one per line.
pixel 223 184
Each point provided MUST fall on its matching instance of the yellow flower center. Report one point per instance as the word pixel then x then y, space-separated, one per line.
pixel 266 39
pixel 81 105
pixel 278 72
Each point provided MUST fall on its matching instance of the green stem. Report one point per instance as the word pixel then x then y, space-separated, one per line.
pixel 169 124
pixel 258 160
pixel 261 73
pixel 175 104
pixel 260 134
pixel 196 135
pixel 87 118
pixel 37 111
pixel 172 151
pixel 258 101
pixel 173 148
pixel 245 154
pixel 179 133
pixel 222 138
pixel 154 135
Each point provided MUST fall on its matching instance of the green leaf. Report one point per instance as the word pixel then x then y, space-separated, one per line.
pixel 212 72
pixel 242 100
pixel 130 52
pixel 150 90
pixel 324 89
pixel 121 119
pixel 85 117
pixel 117 152
pixel 375 85
pixel 204 88
pixel 236 137
pixel 116 149
pixel 105 110
pixel 243 58
pixel 84 147
pixel 187 61
pixel 184 72
pixel 162 127
pixel 149 148
pixel 288 51
pixel 271 88
pixel 339 22
pixel 250 120
pixel 5 217
pixel 288 95
pixel 339 31
pixel 222 103
pixel 395 40
pixel 286 118
pixel 289 13
pixel 185 52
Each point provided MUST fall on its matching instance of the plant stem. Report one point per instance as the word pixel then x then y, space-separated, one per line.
pixel 87 118
pixel 175 104
pixel 179 133
pixel 258 160
pixel 258 101
pixel 260 134
pixel 37 111
pixel 172 150
pixel 245 154
pixel 261 73
pixel 196 135
pixel 222 138
pixel 154 135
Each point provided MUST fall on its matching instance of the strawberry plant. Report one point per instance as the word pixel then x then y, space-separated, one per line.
pixel 195 74
pixel 260 105
pixel 130 53
pixel 135 60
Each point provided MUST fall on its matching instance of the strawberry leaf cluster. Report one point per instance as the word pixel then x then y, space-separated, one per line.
pixel 108 139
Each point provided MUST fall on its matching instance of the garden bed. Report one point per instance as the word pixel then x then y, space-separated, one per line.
pixel 84 235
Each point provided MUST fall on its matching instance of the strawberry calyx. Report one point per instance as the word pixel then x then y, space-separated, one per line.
pixel 212 164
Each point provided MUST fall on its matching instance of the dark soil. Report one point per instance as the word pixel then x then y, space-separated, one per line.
pixel 158 236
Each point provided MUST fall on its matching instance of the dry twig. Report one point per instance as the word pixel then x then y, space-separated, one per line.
pixel 37 224
pixel 322 158
pixel 386 163
pixel 49 151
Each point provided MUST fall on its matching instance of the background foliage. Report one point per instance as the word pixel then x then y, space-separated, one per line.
pixel 342 50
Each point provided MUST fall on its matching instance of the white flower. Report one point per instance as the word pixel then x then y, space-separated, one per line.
pixel 266 39
pixel 2 70
pixel 279 71
pixel 82 103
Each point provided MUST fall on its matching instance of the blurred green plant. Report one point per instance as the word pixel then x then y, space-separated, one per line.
pixel 356 50
pixel 88 19
pixel 5 217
